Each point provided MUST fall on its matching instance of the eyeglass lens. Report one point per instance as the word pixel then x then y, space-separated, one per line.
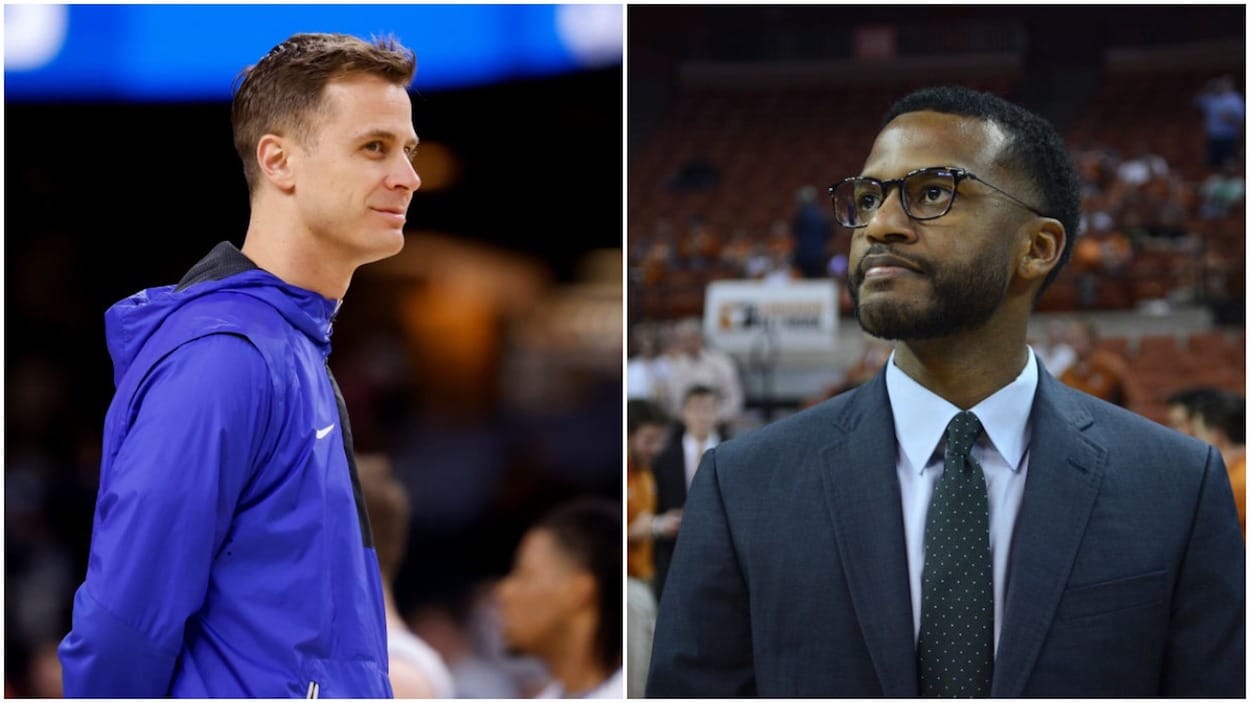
pixel 926 194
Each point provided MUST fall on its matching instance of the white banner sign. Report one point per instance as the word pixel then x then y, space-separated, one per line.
pixel 739 317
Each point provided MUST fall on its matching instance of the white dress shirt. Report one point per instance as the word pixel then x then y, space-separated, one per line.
pixel 612 687
pixel 693 452
pixel 920 419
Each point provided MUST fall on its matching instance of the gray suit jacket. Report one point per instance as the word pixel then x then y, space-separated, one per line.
pixel 1126 576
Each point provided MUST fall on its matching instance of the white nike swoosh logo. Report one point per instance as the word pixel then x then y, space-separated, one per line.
pixel 324 431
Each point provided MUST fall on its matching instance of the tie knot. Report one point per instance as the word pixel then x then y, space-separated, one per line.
pixel 962 432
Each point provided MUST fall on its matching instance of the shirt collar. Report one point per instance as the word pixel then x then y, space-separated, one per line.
pixel 689 442
pixel 921 416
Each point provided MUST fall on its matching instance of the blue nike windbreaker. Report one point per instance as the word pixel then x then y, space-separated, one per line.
pixel 231 555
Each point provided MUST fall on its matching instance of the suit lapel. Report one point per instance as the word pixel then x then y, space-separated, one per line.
pixel 861 489
pixel 1065 471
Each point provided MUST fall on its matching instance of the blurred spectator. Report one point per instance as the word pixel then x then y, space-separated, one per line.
pixel 1099 372
pixel 675 466
pixel 760 258
pixel 465 630
pixel 1142 167
pixel 417 671
pixel 1095 164
pixel 644 437
pixel 1055 353
pixel 695 174
pixel 45 672
pixel 658 253
pixel 640 621
pixel 645 424
pixel 1171 212
pixel 1094 213
pixel 1222 190
pixel 739 253
pixel 1182 404
pixel 1220 420
pixel 562 600
pixel 778 266
pixel 700 246
pixel 647 371
pixel 1099 254
pixel 695 364
pixel 656 262
pixel 1224 112
pixel 812 228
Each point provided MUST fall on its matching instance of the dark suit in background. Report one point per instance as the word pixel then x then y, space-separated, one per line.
pixel 669 469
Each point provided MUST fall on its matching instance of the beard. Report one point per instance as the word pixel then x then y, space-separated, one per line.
pixel 964 297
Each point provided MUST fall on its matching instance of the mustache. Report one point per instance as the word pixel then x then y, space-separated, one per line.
pixel 919 264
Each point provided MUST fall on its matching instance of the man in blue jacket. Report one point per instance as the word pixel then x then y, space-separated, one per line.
pixel 962 525
pixel 231 554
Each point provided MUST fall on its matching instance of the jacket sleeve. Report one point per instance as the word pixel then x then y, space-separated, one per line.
pixel 702 646
pixel 165 504
pixel 1206 649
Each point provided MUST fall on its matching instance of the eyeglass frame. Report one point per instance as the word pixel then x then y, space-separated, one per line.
pixel 958 175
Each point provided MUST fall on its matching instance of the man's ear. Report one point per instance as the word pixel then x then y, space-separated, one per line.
pixel 1044 245
pixel 274 154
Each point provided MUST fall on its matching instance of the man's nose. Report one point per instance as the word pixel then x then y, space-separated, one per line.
pixel 406 176
pixel 890 222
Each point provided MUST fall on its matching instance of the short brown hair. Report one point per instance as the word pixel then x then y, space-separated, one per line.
pixel 280 92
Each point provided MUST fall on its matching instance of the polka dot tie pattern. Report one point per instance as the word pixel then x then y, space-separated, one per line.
pixel 955 650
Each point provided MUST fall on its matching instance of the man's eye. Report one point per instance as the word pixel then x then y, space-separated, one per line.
pixel 868 201
pixel 375 147
pixel 935 194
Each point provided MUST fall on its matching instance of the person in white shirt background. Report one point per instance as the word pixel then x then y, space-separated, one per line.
pixel 697 432
pixel 694 363
pixel 416 669
pixel 562 600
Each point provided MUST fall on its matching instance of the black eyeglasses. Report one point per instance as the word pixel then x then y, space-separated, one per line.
pixel 927 194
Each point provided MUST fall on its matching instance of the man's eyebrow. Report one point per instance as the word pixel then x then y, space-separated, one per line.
pixel 387 135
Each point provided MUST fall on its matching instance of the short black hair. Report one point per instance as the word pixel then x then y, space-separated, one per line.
pixel 639 412
pixel 1223 411
pixel 588 531
pixel 698 389
pixel 1033 147
pixel 1192 398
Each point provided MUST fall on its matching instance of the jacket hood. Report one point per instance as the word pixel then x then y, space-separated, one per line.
pixel 130 322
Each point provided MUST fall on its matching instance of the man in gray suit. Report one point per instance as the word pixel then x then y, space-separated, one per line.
pixel 962 524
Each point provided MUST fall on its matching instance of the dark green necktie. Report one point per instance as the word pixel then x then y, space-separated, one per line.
pixel 956 645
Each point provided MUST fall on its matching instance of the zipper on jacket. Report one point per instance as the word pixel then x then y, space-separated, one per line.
pixel 338 304
pixel 314 690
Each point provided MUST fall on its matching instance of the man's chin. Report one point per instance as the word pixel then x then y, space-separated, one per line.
pixel 383 245
pixel 391 242
pixel 891 320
